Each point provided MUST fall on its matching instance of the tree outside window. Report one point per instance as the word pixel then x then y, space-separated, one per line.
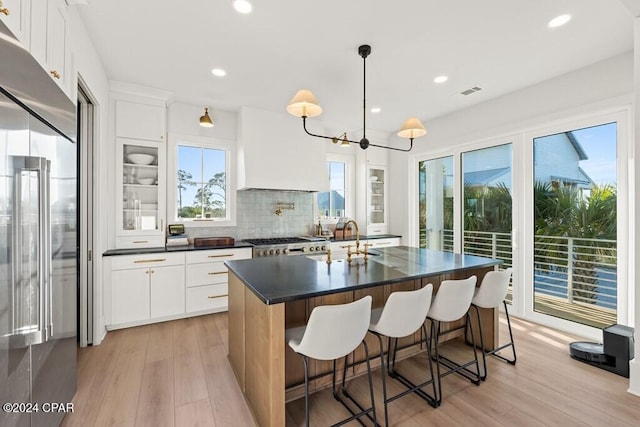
pixel 201 183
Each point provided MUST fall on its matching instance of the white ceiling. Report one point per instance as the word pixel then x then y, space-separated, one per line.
pixel 285 45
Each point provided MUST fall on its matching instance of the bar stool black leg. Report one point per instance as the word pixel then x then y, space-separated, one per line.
pixel 306 390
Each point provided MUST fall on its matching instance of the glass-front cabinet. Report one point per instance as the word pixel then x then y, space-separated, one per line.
pixel 141 187
pixel 377 200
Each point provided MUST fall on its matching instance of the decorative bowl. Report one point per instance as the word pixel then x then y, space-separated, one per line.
pixel 141 158
pixel 373 178
pixel 146 181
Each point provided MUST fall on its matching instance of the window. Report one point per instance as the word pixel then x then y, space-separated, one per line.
pixel 199 186
pixel 332 203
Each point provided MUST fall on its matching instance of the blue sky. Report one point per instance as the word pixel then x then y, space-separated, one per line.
pixel 599 142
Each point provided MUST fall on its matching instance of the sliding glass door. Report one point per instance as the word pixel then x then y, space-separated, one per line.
pixel 487 203
pixel 575 239
pixel 436 192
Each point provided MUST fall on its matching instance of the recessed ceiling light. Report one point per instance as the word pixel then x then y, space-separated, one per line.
pixel 440 79
pixel 559 21
pixel 376 110
pixel 242 6
pixel 218 72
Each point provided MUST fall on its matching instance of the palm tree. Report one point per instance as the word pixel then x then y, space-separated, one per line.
pixel 564 212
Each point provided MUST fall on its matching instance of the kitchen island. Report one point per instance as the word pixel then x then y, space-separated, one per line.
pixel 269 295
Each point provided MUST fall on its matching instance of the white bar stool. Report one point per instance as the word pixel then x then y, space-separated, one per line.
pixel 451 303
pixel 334 331
pixel 403 314
pixel 491 294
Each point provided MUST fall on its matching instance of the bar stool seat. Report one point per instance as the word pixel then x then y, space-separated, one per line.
pixel 403 314
pixel 491 293
pixel 451 303
pixel 333 332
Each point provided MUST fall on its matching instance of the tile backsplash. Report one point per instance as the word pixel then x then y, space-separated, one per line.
pixel 256 217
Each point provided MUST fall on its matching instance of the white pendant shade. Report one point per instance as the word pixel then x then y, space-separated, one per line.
pixel 412 128
pixel 304 104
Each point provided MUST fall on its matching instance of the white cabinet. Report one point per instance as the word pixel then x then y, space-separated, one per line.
pixel 140 121
pixel 207 278
pixel 159 286
pixel 141 193
pixel 377 190
pixel 15 15
pixel 145 288
pixel 129 295
pixel 383 243
pixel 166 291
pixel 140 170
pixel 49 42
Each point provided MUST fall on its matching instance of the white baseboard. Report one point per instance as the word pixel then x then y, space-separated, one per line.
pixel 634 377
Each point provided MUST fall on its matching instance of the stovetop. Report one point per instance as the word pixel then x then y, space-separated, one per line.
pixel 275 241
pixel 284 240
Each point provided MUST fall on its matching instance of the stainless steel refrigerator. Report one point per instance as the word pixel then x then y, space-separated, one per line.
pixel 38 241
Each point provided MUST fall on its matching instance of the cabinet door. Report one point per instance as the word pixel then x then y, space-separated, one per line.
pixel 140 121
pixel 129 295
pixel 57 44
pixel 167 291
pixel 377 198
pixel 141 188
pixel 15 15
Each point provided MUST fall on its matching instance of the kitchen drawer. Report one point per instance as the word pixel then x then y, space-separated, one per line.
pixel 194 257
pixel 207 273
pixel 146 260
pixel 209 297
pixel 130 242
pixel 381 243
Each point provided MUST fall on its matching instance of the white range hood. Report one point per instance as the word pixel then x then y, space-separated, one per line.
pixel 274 153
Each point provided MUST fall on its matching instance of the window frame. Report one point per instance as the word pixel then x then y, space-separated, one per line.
pixel 349 185
pixel 228 146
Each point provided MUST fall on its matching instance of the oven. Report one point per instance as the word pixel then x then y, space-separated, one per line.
pixel 288 246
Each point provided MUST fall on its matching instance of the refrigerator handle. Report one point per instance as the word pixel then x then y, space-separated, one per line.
pixel 44 185
pixel 36 334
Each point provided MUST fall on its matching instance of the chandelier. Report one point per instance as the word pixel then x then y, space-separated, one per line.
pixel 304 104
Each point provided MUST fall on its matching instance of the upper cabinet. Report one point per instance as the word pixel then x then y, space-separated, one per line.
pixel 141 121
pixel 15 15
pixel 49 42
pixel 377 190
pixel 139 129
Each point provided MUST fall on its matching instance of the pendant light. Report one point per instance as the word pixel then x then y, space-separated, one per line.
pixel 304 104
pixel 205 121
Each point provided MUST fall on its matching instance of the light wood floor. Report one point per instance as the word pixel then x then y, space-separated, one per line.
pixel 177 374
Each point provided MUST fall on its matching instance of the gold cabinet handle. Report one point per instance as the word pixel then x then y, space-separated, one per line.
pixel 140 241
pixel 220 256
pixel 5 11
pixel 55 74
pixel 141 261
pixel 217 272
pixel 216 296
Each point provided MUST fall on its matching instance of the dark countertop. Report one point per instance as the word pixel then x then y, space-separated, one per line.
pixel 140 251
pixel 366 237
pixel 279 279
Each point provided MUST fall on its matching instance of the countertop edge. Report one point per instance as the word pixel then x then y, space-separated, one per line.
pixel 171 249
pixel 271 301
